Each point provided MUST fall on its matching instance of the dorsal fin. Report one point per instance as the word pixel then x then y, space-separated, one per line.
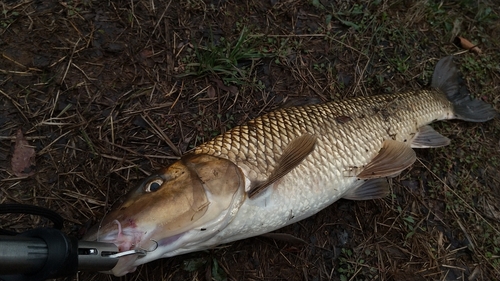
pixel 393 157
pixel 296 151
pixel 426 137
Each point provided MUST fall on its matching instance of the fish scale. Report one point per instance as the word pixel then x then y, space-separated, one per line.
pixel 330 170
pixel 257 144
pixel 282 167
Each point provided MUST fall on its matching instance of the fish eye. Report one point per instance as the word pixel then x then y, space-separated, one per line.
pixel 153 185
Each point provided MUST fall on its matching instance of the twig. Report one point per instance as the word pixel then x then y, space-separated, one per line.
pixel 162 134
pixel 459 197
pixel 17 105
pixel 64 75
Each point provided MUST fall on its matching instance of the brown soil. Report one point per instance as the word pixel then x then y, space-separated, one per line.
pixel 99 89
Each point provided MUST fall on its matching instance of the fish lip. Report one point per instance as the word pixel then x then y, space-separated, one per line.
pixel 130 263
pixel 131 238
pixel 125 238
pixel 127 235
pixel 125 265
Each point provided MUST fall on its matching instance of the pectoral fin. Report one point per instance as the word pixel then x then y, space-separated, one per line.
pixel 392 158
pixel 369 189
pixel 426 137
pixel 296 151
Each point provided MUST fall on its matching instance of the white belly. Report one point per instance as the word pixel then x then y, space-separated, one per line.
pixel 293 198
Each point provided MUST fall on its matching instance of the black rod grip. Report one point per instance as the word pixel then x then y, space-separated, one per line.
pixel 26 255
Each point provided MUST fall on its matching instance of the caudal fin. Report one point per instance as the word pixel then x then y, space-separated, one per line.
pixel 446 78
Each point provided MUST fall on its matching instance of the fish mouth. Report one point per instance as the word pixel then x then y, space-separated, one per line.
pixel 126 239
pixel 132 238
pixel 179 210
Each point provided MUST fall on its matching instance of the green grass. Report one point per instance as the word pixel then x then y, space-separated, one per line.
pixel 231 60
pixel 211 266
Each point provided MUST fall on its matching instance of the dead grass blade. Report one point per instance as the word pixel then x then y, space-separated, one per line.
pixel 159 132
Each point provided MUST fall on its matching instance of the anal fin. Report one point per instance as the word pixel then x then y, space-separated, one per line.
pixel 296 151
pixel 393 157
pixel 369 189
pixel 426 137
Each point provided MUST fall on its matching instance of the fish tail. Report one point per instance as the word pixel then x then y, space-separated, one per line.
pixel 446 78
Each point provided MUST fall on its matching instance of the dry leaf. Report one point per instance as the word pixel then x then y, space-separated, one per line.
pixel 466 44
pixel 211 92
pixel 23 159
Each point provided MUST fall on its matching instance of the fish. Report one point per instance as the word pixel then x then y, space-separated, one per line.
pixel 282 167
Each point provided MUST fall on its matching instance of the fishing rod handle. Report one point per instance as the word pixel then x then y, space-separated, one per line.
pixel 44 253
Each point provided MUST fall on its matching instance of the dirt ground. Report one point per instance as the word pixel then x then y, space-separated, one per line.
pixel 109 91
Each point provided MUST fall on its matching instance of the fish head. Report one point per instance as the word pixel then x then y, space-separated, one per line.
pixel 177 210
